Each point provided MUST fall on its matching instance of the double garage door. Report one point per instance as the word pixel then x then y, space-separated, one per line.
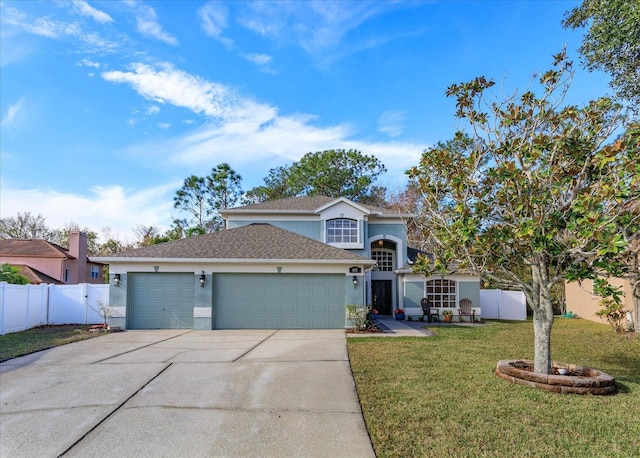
pixel 240 301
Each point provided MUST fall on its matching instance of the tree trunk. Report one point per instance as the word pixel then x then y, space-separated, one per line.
pixel 542 318
pixel 635 295
pixel 542 324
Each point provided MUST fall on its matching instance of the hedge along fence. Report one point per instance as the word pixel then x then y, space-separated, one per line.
pixel 27 306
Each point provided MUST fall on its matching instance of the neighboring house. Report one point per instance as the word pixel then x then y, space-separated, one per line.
pixel 45 262
pixel 290 263
pixel 579 298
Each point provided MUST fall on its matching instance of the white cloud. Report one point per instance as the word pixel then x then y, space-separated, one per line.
pixel 112 206
pixel 164 125
pixel 392 122
pixel 147 24
pixel 12 113
pixel 281 140
pixel 84 9
pixel 249 130
pixel 56 29
pixel 153 109
pixel 88 63
pixel 166 84
pixel 213 19
pixel 259 60
pixel 316 26
pixel 51 28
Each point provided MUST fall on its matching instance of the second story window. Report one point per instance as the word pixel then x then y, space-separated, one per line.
pixel 67 276
pixel 342 231
pixel 95 272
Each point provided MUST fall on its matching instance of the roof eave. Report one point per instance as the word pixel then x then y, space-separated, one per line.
pixel 141 260
pixel 362 209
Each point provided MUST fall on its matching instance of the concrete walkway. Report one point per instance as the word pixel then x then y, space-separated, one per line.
pixel 395 328
pixel 185 393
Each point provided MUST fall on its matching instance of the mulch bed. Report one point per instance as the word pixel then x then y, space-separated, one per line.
pixel 371 328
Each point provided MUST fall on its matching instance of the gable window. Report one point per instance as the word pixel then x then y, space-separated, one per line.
pixel 342 231
pixel 383 259
pixel 95 272
pixel 441 293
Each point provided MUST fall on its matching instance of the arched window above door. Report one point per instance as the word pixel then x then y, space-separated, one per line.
pixel 384 259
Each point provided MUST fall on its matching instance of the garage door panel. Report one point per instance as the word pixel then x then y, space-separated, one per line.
pixel 279 301
pixel 289 293
pixel 289 307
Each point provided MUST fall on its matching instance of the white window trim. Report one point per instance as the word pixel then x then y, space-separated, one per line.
pixel 95 272
pixel 455 301
pixel 344 245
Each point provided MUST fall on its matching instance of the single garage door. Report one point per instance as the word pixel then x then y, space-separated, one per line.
pixel 160 301
pixel 279 301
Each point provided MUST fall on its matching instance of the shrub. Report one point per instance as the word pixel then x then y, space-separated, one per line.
pixel 358 315
pixel 614 313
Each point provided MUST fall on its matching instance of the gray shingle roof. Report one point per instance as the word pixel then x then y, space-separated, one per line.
pixel 254 241
pixel 301 205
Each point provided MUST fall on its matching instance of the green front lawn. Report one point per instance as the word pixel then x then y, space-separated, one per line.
pixel 36 339
pixel 438 396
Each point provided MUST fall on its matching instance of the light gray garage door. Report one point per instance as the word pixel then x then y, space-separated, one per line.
pixel 160 301
pixel 278 301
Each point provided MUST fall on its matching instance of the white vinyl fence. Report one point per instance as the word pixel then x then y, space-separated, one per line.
pixel 27 306
pixel 503 305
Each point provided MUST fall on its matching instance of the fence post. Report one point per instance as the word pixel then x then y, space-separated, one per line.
pixel 26 309
pixel 2 304
pixel 49 311
pixel 85 295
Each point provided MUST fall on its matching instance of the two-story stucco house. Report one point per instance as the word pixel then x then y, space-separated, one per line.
pixel 45 262
pixel 290 263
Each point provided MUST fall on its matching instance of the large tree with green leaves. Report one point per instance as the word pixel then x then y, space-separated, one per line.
pixel 224 187
pixel 25 226
pixel 333 173
pixel 612 42
pixel 531 183
pixel 202 197
pixel 192 199
pixel 277 185
pixel 62 237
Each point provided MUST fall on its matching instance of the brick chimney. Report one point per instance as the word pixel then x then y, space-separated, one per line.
pixel 78 249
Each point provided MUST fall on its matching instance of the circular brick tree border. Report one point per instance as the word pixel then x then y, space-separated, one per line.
pixel 586 380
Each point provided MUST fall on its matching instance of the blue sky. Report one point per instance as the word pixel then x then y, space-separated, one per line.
pixel 108 105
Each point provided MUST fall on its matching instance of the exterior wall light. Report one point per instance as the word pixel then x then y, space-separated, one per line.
pixel 116 279
pixel 355 281
pixel 202 277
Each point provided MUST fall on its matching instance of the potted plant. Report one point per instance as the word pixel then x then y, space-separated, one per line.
pixel 447 316
pixel 399 314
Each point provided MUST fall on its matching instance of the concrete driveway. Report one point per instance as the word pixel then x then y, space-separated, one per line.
pixel 185 393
